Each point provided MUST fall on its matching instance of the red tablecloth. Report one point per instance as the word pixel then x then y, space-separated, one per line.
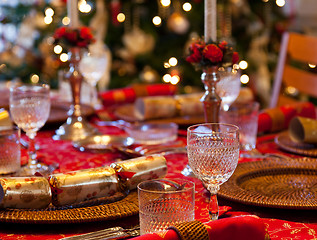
pixel 281 224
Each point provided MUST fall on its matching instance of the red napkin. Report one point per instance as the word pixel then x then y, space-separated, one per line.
pixel 276 119
pixel 130 94
pixel 238 228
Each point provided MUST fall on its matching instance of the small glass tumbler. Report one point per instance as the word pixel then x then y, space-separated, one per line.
pixel 245 116
pixel 163 203
pixel 10 153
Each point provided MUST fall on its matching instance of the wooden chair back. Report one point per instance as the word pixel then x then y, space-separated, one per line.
pixel 297 51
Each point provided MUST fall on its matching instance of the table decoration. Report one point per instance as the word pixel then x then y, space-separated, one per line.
pixel 303 130
pixel 131 93
pixel 284 141
pixel 112 208
pixel 82 185
pixel 151 133
pixel 209 56
pixel 154 107
pixel 93 66
pixel 25 192
pixel 77 188
pixel 132 172
pixel 10 149
pixel 239 228
pixel 164 202
pixel 30 106
pixel 274 183
pixel 277 119
pixel 126 112
pixel 75 40
pixel 213 153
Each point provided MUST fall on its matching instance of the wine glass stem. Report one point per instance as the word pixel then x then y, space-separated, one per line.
pixel 31 149
pixel 213 207
pixel 94 97
pixel 213 202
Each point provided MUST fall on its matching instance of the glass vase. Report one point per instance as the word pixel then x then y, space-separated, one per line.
pixel 76 126
pixel 211 100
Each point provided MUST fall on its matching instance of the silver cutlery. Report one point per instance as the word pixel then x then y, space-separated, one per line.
pixel 107 234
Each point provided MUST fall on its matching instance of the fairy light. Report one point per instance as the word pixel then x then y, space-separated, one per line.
pixel 311 65
pixel 167 78
pixel 187 7
pixel 58 49
pixel 157 21
pixel 173 61
pixel 84 7
pixel 244 79
pixel 65 20
pixel 121 17
pixel 63 57
pixel 48 20
pixel 165 3
pixel 167 65
pixel 243 64
pixel 280 3
pixel 35 78
pixel 175 79
pixel 49 12
pixel 291 90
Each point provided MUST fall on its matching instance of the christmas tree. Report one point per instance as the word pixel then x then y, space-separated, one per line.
pixel 147 40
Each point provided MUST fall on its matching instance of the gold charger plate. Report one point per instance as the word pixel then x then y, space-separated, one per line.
pixel 125 207
pixel 126 112
pixel 289 184
pixel 284 142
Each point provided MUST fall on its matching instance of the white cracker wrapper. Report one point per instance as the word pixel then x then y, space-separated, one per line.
pixel 142 168
pixel 25 192
pixel 190 104
pixel 155 107
pixel 82 185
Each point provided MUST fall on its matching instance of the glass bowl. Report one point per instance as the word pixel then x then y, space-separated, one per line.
pixel 152 133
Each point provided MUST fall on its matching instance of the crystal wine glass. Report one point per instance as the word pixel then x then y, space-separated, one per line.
pixel 228 88
pixel 213 153
pixel 92 66
pixel 29 109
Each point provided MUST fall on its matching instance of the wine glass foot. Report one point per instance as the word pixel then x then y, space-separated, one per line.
pixel 74 129
pixel 40 168
pixel 32 169
pixel 213 216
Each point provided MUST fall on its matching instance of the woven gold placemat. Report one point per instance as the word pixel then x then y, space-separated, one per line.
pixel 127 206
pixel 290 183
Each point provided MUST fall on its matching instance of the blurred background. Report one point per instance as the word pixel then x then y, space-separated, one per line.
pixel 146 41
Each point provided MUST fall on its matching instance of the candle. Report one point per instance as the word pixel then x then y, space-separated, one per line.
pixel 72 10
pixel 211 20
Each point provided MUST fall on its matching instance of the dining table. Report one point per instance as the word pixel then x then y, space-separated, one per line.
pixel 281 222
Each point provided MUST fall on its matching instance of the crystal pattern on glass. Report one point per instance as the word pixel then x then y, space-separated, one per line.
pixel 30 114
pixel 30 108
pixel 165 202
pixel 10 153
pixel 228 88
pixel 159 214
pixel 213 153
